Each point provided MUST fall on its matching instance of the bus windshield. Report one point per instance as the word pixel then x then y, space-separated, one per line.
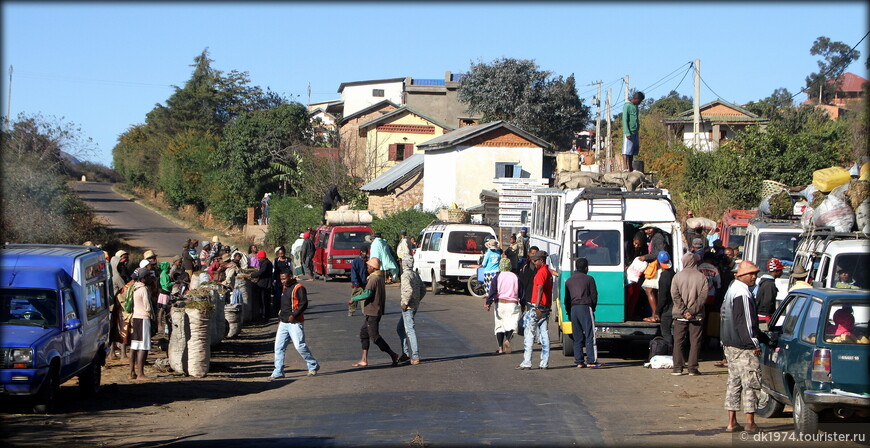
pixel 777 245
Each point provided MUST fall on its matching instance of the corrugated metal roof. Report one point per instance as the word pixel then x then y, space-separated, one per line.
pixel 467 132
pixel 396 174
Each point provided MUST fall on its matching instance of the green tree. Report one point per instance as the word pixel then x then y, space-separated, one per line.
pixel 288 216
pixel 836 57
pixel 766 108
pixel 411 220
pixel 670 105
pixel 517 91
pixel 183 166
pixel 240 166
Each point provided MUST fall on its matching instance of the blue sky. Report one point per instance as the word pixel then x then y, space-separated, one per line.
pixel 103 66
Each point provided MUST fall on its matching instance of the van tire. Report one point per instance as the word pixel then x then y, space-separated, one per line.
pixel 567 345
pixel 46 398
pixel 89 380
pixel 476 288
pixel 436 287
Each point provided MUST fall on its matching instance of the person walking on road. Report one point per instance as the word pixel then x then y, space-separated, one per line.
pixel 294 302
pixel 359 275
pixel 538 313
pixel 412 291
pixel 263 285
pixel 741 340
pixel 581 296
pixel 374 297
pixel 505 293
pixel 491 259
pixel 281 265
pixel 631 129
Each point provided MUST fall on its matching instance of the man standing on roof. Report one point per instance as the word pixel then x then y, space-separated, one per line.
pixel 330 199
pixel 631 129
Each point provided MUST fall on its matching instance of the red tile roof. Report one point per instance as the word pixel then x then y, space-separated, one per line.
pixel 852 82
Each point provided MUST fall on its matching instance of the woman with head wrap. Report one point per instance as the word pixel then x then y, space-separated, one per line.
pixel 504 292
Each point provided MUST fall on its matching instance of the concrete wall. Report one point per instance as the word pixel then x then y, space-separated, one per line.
pixel 352 150
pixel 357 98
pixel 459 175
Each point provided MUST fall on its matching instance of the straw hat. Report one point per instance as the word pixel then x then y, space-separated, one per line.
pixel 746 267
pixel 374 262
pixel 149 254
pixel 120 253
pixel 799 272
pixel 215 239
pixel 492 243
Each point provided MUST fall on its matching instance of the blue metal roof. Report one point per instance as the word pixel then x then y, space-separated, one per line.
pixel 427 82
pixel 396 174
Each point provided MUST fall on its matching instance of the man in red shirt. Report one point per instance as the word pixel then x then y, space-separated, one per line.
pixel 538 313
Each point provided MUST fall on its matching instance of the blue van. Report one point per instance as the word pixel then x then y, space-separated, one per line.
pixel 54 320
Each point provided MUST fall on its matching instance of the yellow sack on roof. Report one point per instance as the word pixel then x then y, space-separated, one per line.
pixel 827 179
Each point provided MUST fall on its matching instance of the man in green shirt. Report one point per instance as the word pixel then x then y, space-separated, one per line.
pixel 630 128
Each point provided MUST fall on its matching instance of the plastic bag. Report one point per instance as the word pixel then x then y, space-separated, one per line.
pixel 635 270
pixel 660 362
pixel 836 213
pixel 862 217
pixel 808 192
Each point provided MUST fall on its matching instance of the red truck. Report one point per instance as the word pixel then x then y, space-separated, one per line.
pixel 732 226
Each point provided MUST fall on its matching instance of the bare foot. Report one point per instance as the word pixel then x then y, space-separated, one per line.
pixel 360 364
pixel 143 378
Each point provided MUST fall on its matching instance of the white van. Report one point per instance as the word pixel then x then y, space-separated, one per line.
pixel 773 238
pixel 449 254
pixel 596 223
pixel 823 253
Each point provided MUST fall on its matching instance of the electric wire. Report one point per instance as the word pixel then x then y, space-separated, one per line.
pixel 852 50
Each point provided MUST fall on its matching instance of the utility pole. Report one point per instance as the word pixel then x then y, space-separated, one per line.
pixel 626 88
pixel 309 95
pixel 598 125
pixel 8 102
pixel 820 90
pixel 696 103
pixel 609 162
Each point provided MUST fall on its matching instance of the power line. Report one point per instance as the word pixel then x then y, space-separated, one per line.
pixel 852 50
pixel 710 89
pixel 691 66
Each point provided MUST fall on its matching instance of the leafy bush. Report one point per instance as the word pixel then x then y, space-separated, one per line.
pixel 288 217
pixel 392 225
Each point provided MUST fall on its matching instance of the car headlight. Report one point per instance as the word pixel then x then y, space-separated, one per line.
pixel 22 358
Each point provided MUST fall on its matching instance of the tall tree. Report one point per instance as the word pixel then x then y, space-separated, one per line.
pixel 836 57
pixel 780 98
pixel 519 92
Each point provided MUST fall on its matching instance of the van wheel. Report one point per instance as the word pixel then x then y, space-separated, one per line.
pixel 806 421
pixel 567 345
pixel 436 287
pixel 89 380
pixel 771 409
pixel 46 398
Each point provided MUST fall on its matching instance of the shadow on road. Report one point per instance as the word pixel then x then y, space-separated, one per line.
pixel 239 443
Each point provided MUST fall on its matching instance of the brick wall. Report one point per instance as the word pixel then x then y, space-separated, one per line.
pixel 405 196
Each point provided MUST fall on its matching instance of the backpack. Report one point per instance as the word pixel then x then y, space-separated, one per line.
pixel 128 296
pixel 658 346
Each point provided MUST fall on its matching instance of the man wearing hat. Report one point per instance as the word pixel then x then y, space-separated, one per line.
pixel 374 298
pixel 665 302
pixel 845 279
pixel 799 273
pixel 143 314
pixel 766 291
pixel 689 292
pixel 263 285
pixel 215 250
pixel 741 339
pixel 120 271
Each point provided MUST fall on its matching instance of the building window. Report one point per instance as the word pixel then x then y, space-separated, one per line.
pixel 508 169
pixel 400 151
pixel 377 92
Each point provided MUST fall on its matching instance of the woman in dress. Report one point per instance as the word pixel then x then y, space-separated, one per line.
pixel 504 293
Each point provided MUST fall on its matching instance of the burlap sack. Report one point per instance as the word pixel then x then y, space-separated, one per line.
pixel 198 347
pixel 178 340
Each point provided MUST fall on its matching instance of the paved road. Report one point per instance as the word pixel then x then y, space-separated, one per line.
pixel 133 222
pixel 462 393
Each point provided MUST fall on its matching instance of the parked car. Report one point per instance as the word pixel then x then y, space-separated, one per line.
pixel 335 247
pixel 449 254
pixel 54 320
pixel 816 360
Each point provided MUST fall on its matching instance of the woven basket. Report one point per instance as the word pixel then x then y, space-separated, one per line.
pixel 769 187
pixel 453 215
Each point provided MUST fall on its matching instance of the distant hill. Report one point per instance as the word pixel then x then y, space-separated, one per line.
pixel 71 159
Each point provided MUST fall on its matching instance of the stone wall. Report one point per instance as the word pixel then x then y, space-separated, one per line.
pixel 405 196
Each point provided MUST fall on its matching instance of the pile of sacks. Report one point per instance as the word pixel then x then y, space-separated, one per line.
pixel 837 200
pixel 572 180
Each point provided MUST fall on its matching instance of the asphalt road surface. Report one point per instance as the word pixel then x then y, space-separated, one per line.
pixel 133 222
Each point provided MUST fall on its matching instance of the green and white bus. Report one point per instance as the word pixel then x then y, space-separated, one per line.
pixel 596 223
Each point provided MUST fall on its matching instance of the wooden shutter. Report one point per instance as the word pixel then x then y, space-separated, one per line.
pixel 392 152
pixel 409 150
pixel 499 169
